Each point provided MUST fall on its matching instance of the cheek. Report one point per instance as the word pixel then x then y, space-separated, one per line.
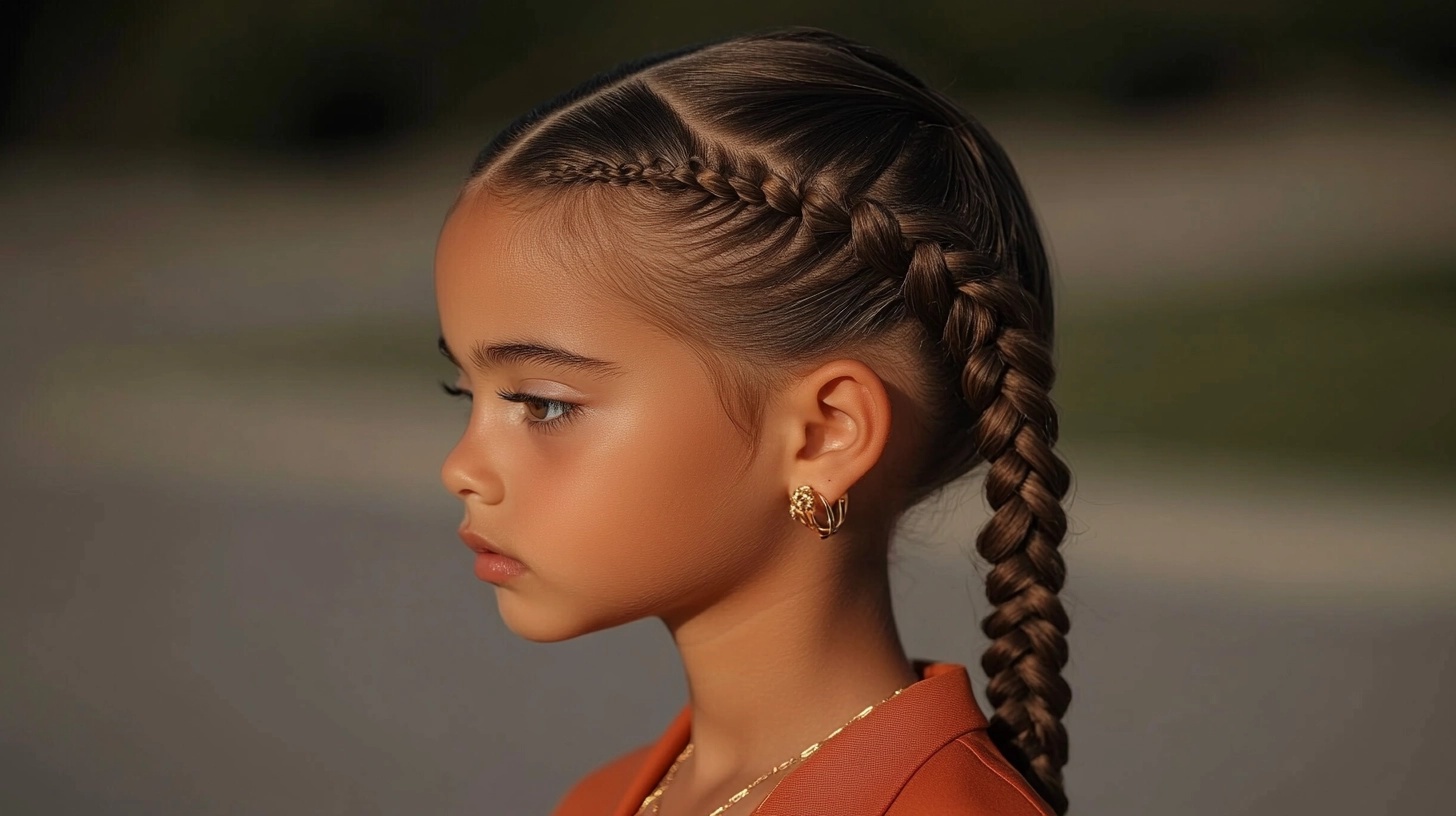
pixel 630 513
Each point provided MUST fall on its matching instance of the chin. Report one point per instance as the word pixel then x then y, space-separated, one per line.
pixel 546 623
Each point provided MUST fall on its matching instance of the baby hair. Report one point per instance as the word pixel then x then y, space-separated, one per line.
pixel 793 194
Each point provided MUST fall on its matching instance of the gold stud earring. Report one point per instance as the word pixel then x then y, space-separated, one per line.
pixel 801 507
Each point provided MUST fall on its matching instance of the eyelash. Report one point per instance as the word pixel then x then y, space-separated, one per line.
pixel 568 413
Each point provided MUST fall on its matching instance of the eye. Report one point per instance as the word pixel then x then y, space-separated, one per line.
pixel 546 406
pixel 540 409
pixel 566 411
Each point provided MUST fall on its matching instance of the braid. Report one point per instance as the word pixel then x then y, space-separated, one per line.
pixel 1025 484
pixel 992 330
pixel 755 185
pixel 987 319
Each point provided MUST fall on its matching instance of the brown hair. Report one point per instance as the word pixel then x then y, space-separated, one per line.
pixel 821 197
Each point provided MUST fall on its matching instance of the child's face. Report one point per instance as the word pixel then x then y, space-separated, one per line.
pixel 630 506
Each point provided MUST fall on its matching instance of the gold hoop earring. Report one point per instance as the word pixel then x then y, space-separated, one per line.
pixel 801 507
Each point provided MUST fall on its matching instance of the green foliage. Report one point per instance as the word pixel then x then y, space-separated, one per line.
pixel 1355 373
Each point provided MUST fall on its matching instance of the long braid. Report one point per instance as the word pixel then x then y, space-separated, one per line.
pixel 1025 483
pixel 985 318
pixel 1002 327
pixel 996 334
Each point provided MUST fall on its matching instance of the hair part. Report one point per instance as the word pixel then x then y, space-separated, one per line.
pixel 777 198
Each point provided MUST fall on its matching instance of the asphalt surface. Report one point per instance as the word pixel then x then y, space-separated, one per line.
pixel 175 648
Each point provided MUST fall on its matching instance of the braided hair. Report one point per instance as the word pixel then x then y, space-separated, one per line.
pixel 816 196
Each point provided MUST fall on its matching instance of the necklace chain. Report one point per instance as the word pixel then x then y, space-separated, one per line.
pixel 656 795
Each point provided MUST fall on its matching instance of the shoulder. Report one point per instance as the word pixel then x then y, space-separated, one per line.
pixel 968 777
pixel 600 790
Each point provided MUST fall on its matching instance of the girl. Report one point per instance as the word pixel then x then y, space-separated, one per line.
pixel 708 295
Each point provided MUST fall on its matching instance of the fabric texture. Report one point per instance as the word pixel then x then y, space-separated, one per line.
pixel 924 752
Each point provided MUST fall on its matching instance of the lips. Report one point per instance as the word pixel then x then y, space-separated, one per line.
pixel 491 565
pixel 480 543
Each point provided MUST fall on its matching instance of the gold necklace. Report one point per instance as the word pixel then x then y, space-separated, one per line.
pixel 652 798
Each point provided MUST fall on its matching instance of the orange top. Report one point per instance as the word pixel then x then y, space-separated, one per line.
pixel 923 752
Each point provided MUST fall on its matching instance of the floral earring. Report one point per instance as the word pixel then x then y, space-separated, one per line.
pixel 801 507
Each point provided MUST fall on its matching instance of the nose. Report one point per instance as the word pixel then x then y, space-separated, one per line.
pixel 465 473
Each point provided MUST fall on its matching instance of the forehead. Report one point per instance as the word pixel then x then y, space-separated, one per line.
pixel 485 244
pixel 510 270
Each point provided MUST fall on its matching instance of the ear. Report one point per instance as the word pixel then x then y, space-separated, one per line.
pixel 838 421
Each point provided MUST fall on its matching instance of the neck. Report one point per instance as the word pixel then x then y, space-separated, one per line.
pixel 784 662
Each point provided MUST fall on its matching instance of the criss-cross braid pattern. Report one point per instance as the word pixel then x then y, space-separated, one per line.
pixel 986 323
pixel 985 318
pixel 751 185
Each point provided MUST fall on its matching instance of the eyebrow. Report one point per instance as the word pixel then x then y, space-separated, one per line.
pixel 491 355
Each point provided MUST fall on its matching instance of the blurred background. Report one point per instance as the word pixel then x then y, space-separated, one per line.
pixel 231 582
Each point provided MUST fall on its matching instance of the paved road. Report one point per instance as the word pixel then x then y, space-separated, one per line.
pixel 171 647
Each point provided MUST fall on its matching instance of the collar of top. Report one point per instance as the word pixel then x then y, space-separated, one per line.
pixel 861 769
